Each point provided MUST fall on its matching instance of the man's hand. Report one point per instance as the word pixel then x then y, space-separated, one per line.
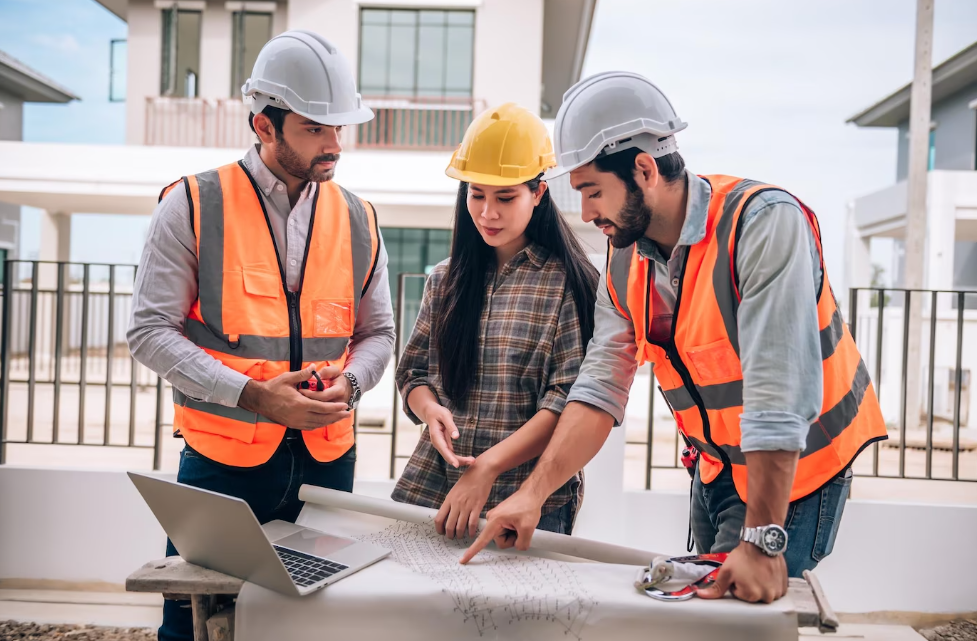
pixel 464 503
pixel 279 400
pixel 441 427
pixel 511 523
pixel 750 575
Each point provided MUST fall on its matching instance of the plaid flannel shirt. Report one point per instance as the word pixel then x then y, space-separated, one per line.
pixel 531 350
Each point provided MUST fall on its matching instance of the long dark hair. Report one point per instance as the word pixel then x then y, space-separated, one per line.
pixel 462 291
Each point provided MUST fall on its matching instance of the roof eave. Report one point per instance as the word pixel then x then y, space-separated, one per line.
pixel 32 87
pixel 949 76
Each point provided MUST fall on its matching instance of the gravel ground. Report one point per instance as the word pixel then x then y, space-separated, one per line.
pixel 965 630
pixel 15 631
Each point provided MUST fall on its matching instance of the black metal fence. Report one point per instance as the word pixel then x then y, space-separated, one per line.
pixel 947 341
pixel 63 336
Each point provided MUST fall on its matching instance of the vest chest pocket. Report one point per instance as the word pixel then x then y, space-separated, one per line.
pixel 333 317
pixel 715 362
pixel 252 303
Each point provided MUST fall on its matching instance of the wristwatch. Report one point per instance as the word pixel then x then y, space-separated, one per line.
pixel 771 539
pixel 354 398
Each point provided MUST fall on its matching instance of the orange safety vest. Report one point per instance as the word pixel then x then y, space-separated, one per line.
pixel 247 319
pixel 699 369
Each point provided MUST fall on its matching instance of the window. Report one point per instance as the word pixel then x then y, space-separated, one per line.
pixel 117 71
pixel 416 53
pixel 413 251
pixel 251 32
pixel 931 158
pixel 181 53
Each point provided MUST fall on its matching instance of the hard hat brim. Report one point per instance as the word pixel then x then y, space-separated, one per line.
pixel 486 179
pixel 260 100
pixel 358 117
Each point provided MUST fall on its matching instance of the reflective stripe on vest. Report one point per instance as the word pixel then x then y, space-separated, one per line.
pixel 246 318
pixel 700 371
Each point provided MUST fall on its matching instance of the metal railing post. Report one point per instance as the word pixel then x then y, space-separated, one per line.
pixel 929 391
pixel 957 388
pixel 109 349
pixel 58 351
pixel 83 360
pixel 32 352
pixel 907 301
pixel 8 295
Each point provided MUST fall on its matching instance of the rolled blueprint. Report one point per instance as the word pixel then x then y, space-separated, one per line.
pixel 543 541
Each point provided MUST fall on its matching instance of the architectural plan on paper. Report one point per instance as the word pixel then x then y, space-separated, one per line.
pixel 496 589
pixel 421 593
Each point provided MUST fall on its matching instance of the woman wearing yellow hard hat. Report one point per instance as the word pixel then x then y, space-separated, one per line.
pixel 501 332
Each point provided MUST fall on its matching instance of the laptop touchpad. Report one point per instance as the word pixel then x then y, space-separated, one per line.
pixel 312 542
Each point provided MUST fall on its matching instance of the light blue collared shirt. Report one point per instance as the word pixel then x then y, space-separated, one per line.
pixel 779 336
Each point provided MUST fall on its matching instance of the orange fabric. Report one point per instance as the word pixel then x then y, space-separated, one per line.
pixel 253 304
pixel 705 350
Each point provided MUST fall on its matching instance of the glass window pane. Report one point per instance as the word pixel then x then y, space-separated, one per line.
pixel 117 71
pixel 433 17
pixel 430 60
pixel 374 54
pixel 403 17
pixel 251 32
pixel 401 79
pixel 375 16
pixel 187 53
pixel 458 76
pixel 168 53
pixel 257 32
pixel 462 18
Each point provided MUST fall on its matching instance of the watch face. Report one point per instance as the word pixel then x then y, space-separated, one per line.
pixel 774 540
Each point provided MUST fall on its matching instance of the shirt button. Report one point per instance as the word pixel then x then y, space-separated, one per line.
pixel 674 282
pixel 471 420
pixel 293 262
pixel 280 187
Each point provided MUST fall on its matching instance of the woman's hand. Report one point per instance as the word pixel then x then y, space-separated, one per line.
pixel 464 503
pixel 441 426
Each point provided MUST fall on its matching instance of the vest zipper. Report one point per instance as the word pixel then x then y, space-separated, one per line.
pixel 294 331
pixel 293 298
pixel 671 353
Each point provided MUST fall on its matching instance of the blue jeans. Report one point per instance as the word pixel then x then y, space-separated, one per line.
pixel 270 489
pixel 812 523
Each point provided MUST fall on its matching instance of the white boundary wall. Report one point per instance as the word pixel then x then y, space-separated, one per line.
pixel 85 526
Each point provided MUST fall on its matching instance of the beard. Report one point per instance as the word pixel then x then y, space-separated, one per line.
pixel 633 218
pixel 291 162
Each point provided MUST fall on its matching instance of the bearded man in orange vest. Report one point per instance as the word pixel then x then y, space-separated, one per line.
pixel 262 296
pixel 720 283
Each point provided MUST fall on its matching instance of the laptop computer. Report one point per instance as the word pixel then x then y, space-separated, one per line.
pixel 221 533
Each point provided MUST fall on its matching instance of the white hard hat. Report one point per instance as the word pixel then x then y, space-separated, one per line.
pixel 611 112
pixel 303 72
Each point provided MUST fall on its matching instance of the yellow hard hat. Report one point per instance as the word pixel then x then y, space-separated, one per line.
pixel 504 146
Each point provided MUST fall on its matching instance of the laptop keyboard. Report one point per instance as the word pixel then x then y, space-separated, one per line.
pixel 306 569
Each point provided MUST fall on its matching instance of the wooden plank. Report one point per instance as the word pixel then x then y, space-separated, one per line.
pixel 827 616
pixel 203 607
pixel 220 627
pixel 174 576
pixel 805 606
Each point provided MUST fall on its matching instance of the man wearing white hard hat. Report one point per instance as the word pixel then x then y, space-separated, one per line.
pixel 719 282
pixel 262 297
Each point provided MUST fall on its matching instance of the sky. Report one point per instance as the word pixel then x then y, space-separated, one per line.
pixel 765 85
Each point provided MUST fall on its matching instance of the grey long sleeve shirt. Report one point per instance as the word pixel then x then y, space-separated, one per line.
pixel 780 347
pixel 166 288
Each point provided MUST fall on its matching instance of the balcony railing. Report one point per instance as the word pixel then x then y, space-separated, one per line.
pixel 416 123
pixel 400 123
pixel 197 122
